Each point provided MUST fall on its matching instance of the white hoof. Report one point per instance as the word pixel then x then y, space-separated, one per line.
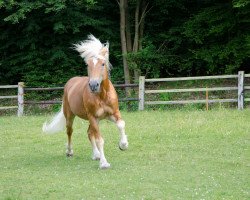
pixel 96 157
pixel 104 165
pixel 123 145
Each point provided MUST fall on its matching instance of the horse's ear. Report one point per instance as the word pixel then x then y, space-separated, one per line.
pixel 104 51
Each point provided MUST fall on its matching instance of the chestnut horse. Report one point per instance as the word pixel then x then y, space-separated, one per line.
pixel 92 98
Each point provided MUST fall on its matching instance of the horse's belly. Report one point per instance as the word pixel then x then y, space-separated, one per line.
pixel 75 97
pixel 79 111
pixel 77 108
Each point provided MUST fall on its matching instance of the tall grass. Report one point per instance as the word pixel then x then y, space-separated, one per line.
pixel 172 155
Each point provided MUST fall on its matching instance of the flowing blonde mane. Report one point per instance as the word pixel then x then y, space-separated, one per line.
pixel 93 48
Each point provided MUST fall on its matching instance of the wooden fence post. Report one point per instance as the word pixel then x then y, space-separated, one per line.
pixel 206 99
pixel 141 92
pixel 20 98
pixel 240 90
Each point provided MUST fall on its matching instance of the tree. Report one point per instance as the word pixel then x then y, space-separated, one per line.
pixel 128 45
pixel 36 38
pixel 159 38
pixel 198 38
pixel 123 7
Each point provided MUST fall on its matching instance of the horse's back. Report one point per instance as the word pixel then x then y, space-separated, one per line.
pixel 76 81
pixel 73 95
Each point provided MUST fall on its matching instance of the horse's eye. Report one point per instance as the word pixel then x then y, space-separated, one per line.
pixel 102 64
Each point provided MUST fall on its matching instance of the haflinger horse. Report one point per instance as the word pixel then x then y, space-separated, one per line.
pixel 92 98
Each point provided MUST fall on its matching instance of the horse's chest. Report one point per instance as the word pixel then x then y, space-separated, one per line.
pixel 103 111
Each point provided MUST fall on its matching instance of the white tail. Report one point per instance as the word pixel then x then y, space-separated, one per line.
pixel 57 124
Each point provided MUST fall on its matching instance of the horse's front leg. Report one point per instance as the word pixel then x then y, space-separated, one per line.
pixel 116 118
pixel 97 143
pixel 96 153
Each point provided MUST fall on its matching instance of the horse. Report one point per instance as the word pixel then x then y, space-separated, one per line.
pixel 91 98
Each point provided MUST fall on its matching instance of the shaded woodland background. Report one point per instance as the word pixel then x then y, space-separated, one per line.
pixel 163 38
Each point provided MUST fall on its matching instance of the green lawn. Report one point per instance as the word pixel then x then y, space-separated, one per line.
pixel 172 155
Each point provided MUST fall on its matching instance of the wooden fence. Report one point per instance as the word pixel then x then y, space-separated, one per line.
pixel 26 89
pixel 22 91
pixel 19 97
pixel 240 98
pixel 241 88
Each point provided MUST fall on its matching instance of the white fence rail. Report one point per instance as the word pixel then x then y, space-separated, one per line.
pixel 240 98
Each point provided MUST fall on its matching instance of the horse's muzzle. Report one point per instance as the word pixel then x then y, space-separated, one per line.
pixel 94 85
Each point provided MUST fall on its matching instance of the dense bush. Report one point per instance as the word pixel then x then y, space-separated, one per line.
pixel 181 38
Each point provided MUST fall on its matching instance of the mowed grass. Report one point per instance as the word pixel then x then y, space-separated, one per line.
pixel 171 155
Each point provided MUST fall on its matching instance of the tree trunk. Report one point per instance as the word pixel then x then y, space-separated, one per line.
pixel 128 30
pixel 141 31
pixel 136 37
pixel 123 4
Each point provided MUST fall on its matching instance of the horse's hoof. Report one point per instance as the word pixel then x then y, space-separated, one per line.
pixel 69 153
pixel 96 158
pixel 104 165
pixel 123 146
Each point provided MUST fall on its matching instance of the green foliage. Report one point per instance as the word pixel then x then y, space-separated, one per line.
pixel 145 59
pixel 209 37
pixel 37 37
pixel 216 39
pixel 240 3
pixel 181 38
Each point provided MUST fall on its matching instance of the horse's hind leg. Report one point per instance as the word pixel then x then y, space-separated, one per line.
pixel 69 123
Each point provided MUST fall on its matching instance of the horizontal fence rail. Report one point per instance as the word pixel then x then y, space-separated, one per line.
pixel 240 98
pixel 191 90
pixel 125 85
pixel 59 102
pixel 190 78
pixel 8 86
pixel 43 89
pixel 8 107
pixel 190 101
pixel 42 102
pixel 9 97
pixel 61 88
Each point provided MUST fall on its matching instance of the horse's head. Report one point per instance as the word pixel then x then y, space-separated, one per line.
pixel 97 71
pixel 96 56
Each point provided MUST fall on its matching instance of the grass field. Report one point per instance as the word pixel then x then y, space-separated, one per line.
pixel 172 155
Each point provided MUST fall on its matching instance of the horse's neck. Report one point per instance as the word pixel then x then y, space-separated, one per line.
pixel 105 86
